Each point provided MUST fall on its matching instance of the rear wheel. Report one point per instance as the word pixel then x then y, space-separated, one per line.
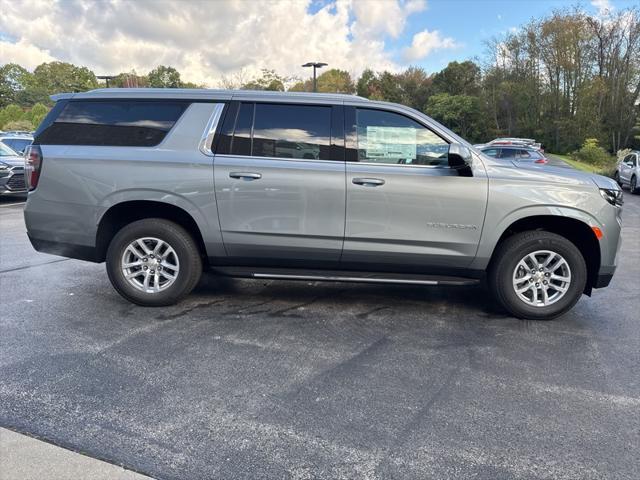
pixel 538 275
pixel 153 262
pixel 633 185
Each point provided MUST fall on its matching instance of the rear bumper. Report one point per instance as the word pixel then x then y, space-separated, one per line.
pixel 69 250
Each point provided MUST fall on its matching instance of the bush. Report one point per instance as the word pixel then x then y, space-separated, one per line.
pixel 18 125
pixel 592 153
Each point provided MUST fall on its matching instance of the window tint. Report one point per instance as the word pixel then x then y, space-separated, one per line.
pixel 241 143
pixel 507 153
pixel 113 123
pixel 6 151
pixel 292 131
pixel 390 138
pixel 17 144
pixel 524 154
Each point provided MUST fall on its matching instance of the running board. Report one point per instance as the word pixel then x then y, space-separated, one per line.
pixel 346 276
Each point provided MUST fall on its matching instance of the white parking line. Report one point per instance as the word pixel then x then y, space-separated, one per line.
pixel 12 204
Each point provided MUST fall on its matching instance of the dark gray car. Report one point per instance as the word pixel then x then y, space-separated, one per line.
pixel 11 172
pixel 316 187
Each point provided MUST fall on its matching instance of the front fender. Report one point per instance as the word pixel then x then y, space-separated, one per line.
pixel 496 227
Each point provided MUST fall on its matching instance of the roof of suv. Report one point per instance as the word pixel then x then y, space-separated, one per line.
pixel 203 94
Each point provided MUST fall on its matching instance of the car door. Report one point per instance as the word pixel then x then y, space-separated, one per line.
pixel 406 207
pixel 625 168
pixel 279 176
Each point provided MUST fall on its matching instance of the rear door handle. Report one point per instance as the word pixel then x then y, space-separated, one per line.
pixel 368 182
pixel 246 175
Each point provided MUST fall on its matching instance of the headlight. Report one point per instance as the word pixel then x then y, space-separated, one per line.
pixel 4 170
pixel 614 197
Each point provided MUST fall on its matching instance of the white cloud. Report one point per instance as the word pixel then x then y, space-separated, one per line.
pixel 604 7
pixel 208 40
pixel 23 53
pixel 426 42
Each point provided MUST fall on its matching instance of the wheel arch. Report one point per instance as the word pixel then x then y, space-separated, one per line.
pixel 575 230
pixel 126 212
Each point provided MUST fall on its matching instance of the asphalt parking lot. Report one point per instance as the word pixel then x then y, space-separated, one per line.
pixel 261 379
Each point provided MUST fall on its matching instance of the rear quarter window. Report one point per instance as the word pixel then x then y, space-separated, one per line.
pixel 122 123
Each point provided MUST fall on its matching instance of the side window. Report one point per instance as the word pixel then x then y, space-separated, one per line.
pixel 634 160
pixel 292 131
pixel 391 138
pixel 113 123
pixel 492 152
pixel 524 154
pixel 628 159
pixel 508 153
pixel 241 142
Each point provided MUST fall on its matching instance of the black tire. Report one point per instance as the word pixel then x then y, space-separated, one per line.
pixel 186 250
pixel 508 255
pixel 633 185
pixel 616 177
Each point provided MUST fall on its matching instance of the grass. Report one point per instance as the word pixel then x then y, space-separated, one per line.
pixel 606 170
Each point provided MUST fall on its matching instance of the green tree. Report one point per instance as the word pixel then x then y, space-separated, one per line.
pixel 10 113
pixel 458 79
pixel 37 114
pixel 335 81
pixel 18 125
pixel 461 113
pixel 164 77
pixel 58 77
pixel 365 83
pixel 13 81
pixel 269 80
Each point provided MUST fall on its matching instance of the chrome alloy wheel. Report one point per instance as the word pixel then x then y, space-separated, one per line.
pixel 541 278
pixel 150 264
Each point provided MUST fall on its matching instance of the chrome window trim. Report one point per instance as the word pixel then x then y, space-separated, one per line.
pixel 210 130
pixel 287 159
pixel 402 165
pixel 387 165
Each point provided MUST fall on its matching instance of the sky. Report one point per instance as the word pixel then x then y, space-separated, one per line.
pixel 211 40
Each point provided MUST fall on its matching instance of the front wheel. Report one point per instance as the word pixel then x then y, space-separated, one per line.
pixel 537 275
pixel 616 177
pixel 153 262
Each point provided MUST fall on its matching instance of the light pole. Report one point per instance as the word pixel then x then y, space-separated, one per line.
pixel 315 65
pixel 106 78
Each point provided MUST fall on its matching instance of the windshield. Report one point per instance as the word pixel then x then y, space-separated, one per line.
pixel 6 151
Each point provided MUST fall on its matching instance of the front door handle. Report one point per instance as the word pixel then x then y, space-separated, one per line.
pixel 368 182
pixel 246 175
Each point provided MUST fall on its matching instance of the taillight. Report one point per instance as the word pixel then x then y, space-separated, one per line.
pixel 32 165
pixel 542 160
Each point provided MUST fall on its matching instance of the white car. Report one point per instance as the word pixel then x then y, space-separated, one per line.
pixel 628 172
pixel 17 142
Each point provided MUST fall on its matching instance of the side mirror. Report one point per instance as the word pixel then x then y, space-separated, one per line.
pixel 460 158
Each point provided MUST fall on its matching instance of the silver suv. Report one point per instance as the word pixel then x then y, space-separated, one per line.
pixel 316 187
pixel 628 172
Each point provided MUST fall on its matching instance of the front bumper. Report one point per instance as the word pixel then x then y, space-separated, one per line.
pixel 12 181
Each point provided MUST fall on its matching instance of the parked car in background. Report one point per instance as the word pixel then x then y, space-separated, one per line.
pixel 16 141
pixel 529 142
pixel 11 172
pixel 315 187
pixel 519 155
pixel 628 172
